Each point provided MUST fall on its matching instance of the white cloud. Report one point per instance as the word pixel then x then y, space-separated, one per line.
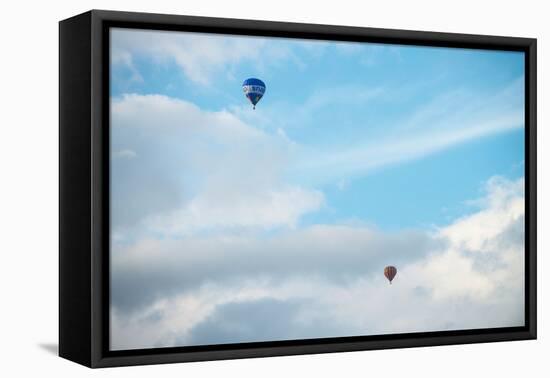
pixel 124 58
pixel 124 154
pixel 447 121
pixel 309 111
pixel 504 204
pixel 343 184
pixel 227 209
pixel 199 55
pixel 194 171
pixel 327 280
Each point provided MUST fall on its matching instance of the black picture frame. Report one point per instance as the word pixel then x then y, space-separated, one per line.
pixel 84 188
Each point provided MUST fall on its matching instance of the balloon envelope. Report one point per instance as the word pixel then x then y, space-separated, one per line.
pixel 254 90
pixel 390 272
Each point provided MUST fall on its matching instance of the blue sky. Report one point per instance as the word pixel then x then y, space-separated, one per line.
pixel 357 157
pixel 327 94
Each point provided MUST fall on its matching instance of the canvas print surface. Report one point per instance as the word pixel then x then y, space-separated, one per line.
pixel 266 189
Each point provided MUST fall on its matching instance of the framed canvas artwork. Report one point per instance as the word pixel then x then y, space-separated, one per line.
pixel 235 188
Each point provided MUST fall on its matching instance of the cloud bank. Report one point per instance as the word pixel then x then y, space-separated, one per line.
pixel 181 170
pixel 325 280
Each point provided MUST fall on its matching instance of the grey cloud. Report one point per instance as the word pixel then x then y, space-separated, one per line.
pixel 260 320
pixel 490 259
pixel 140 190
pixel 338 254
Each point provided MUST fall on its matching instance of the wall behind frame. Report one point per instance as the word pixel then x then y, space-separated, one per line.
pixel 29 197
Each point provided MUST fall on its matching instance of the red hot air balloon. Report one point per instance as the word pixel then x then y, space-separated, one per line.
pixel 390 272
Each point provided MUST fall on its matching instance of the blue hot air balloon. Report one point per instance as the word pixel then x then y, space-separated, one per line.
pixel 254 90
